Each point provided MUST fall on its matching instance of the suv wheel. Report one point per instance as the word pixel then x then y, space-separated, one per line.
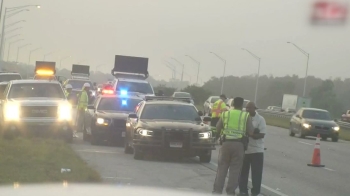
pixel 138 154
pixel 205 157
pixel 335 139
pixel 291 133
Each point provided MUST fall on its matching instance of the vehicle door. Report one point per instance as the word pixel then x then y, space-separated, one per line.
pixel 90 115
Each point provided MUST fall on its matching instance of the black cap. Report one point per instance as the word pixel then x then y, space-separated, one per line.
pixel 223 96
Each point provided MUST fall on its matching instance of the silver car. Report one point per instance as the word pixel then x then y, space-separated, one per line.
pixel 35 106
pixel 208 104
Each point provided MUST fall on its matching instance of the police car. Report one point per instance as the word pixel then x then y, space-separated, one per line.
pixel 105 120
pixel 168 125
pixel 35 107
pixel 130 75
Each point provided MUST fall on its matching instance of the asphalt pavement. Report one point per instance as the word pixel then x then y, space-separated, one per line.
pixel 285 167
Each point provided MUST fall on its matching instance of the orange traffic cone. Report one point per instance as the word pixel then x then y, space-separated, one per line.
pixel 316 158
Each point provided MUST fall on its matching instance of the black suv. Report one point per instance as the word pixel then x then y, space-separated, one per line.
pixel 168 125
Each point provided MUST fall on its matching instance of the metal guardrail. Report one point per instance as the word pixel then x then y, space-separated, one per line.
pixel 289 115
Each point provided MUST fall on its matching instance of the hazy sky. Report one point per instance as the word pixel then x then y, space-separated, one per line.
pixel 93 31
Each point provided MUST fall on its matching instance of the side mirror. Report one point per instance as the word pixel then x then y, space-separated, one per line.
pixel 90 107
pixel 132 115
pixel 200 113
pixel 207 119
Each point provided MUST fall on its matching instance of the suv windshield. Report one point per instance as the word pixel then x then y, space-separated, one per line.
pixel 9 77
pixel 78 84
pixel 314 114
pixel 139 87
pixel 169 112
pixel 182 95
pixel 27 90
pixel 118 104
pixel 213 99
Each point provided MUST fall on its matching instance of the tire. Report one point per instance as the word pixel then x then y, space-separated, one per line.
pixel 128 149
pixel 93 140
pixel 335 139
pixel 291 133
pixel 205 158
pixel 324 138
pixel 138 154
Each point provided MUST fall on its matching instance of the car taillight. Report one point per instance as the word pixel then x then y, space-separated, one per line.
pixel 107 91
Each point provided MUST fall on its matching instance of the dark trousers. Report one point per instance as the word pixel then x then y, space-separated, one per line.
pixel 214 121
pixel 256 162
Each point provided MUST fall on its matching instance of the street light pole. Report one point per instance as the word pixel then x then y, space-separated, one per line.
pixel 257 79
pixel 18 48
pixel 8 52
pixel 183 67
pixel 198 63
pixel 223 75
pixel 307 64
pixel 30 54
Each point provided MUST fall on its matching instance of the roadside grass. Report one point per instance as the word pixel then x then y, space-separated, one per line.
pixel 39 160
pixel 284 123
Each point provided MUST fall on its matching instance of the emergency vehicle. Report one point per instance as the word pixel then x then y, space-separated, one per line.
pixel 130 77
pixel 45 70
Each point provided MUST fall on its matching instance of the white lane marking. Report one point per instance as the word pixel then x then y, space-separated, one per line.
pixel 96 151
pixel 328 169
pixel 266 187
pixel 117 178
pixel 305 143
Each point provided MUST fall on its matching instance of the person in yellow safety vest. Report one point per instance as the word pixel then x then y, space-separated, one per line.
pixel 83 102
pixel 68 90
pixel 235 125
pixel 218 107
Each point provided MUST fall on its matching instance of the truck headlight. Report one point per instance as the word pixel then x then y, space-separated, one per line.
pixel 204 135
pixel 336 128
pixel 306 126
pixel 102 121
pixel 11 111
pixel 145 132
pixel 65 111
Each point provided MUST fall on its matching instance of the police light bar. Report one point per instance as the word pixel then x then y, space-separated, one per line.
pixel 165 98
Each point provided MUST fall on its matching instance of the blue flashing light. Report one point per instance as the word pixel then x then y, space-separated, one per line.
pixel 124 102
pixel 123 92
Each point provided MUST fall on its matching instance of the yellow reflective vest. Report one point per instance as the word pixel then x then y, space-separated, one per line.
pixel 218 108
pixel 83 100
pixel 234 122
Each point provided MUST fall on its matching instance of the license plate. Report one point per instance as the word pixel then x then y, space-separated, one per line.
pixel 176 144
pixel 123 134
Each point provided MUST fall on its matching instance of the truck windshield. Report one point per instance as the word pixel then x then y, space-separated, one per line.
pixel 6 78
pixel 138 87
pixel 118 104
pixel 314 114
pixel 78 84
pixel 31 90
pixel 170 112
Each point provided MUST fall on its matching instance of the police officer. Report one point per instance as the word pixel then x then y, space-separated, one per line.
pixel 218 107
pixel 234 125
pixel 82 105
pixel 68 93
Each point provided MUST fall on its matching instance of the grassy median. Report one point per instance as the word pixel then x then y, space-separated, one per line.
pixel 40 160
pixel 284 123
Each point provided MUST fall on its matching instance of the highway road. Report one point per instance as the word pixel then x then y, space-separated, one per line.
pixel 285 171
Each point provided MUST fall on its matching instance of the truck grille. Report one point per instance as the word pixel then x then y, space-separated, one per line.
pixel 119 124
pixel 38 111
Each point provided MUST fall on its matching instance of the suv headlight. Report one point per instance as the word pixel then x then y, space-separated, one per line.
pixel 145 132
pixel 102 121
pixel 336 128
pixel 306 126
pixel 65 111
pixel 204 135
pixel 11 111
